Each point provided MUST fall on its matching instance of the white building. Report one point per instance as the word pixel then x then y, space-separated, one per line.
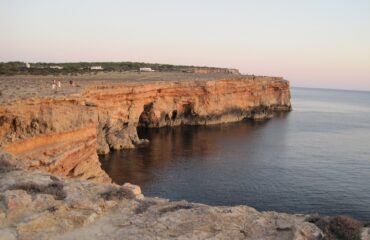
pixel 146 70
pixel 56 67
pixel 96 68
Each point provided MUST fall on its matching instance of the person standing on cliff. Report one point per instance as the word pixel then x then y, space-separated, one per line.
pixel 53 85
pixel 59 84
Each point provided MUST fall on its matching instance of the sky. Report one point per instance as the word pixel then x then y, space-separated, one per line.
pixel 312 43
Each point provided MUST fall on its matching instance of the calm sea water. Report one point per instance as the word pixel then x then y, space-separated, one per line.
pixel 314 159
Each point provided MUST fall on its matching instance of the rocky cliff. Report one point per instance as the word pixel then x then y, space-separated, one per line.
pixel 36 205
pixel 61 134
pixel 51 183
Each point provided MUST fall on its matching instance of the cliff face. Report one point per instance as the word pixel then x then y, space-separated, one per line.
pixel 62 135
pixel 123 108
pixel 61 132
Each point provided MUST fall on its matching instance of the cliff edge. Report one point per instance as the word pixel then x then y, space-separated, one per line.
pixel 61 131
pixel 51 183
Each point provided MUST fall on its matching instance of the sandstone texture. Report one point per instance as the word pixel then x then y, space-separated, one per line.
pixel 60 132
pixel 51 182
pixel 39 205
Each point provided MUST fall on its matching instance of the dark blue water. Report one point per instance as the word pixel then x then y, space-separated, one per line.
pixel 314 159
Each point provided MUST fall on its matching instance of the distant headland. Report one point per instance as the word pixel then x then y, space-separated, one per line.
pixel 42 68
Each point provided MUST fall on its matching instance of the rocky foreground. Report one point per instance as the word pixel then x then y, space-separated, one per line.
pixel 52 185
pixel 38 205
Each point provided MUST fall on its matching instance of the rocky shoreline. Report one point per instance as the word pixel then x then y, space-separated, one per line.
pixel 51 182
pixel 63 133
pixel 38 205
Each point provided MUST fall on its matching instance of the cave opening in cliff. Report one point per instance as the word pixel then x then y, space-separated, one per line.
pixel 167 119
pixel 174 115
pixel 147 117
pixel 189 112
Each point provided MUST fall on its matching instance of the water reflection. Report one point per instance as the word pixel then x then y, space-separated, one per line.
pixel 309 160
pixel 170 145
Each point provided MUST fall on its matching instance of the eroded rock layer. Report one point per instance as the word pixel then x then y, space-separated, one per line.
pixel 61 135
pixel 61 132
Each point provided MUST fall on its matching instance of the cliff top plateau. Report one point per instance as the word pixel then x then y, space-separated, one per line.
pixel 20 87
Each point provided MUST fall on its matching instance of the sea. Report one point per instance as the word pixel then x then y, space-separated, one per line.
pixel 315 159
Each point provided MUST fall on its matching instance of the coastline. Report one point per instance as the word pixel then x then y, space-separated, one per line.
pixel 61 134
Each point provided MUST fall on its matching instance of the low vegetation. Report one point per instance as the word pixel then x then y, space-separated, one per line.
pixel 117 193
pixel 15 68
pixel 144 206
pixel 175 208
pixel 338 227
pixel 55 189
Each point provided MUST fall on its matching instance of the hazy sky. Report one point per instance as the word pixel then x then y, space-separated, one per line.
pixel 314 43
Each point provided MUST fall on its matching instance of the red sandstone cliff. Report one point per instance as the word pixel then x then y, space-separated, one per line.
pixel 62 135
